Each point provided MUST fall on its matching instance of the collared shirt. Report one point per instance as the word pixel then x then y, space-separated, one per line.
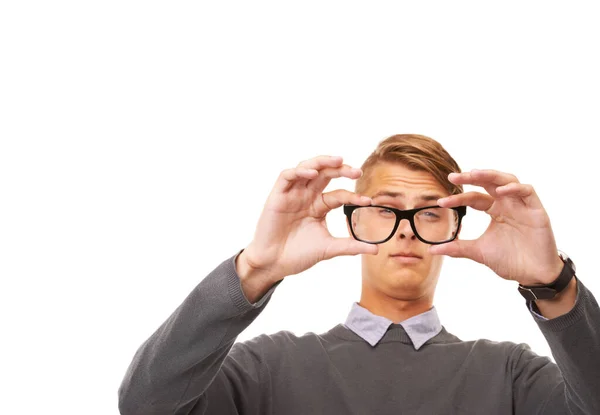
pixel 372 328
pixel 419 328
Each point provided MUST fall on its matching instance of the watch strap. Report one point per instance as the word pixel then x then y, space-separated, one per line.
pixel 549 291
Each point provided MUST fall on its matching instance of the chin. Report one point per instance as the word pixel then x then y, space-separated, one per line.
pixel 405 277
pixel 405 290
pixel 410 270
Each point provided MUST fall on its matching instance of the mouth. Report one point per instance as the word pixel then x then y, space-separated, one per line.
pixel 406 254
pixel 406 257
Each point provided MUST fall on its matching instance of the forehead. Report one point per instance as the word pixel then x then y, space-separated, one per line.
pixel 412 184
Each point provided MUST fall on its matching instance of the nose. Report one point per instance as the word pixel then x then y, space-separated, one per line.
pixel 404 230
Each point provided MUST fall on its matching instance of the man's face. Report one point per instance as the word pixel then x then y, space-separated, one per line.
pixel 403 268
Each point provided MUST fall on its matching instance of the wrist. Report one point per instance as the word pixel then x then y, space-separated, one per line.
pixel 242 267
pixel 247 270
pixel 551 290
pixel 561 304
pixel 566 292
pixel 254 282
pixel 552 276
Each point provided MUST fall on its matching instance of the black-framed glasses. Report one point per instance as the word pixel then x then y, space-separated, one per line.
pixel 376 224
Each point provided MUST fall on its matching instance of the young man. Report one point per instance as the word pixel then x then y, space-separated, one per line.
pixel 392 355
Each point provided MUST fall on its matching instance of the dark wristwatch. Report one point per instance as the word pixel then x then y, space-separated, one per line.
pixel 549 291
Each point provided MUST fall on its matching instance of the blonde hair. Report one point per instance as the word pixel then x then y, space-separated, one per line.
pixel 416 152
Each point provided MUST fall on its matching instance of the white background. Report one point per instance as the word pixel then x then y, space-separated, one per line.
pixel 139 141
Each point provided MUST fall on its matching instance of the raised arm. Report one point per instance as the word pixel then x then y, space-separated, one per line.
pixel 172 370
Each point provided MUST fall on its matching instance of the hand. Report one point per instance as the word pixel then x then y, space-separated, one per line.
pixel 519 243
pixel 291 235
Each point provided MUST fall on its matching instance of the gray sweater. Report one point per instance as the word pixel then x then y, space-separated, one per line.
pixel 192 364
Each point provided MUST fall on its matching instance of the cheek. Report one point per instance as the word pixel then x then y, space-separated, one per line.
pixel 435 263
pixel 374 262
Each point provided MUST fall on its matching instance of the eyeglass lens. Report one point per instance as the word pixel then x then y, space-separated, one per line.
pixel 373 224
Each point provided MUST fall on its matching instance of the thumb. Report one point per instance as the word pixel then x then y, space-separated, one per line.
pixel 458 249
pixel 349 246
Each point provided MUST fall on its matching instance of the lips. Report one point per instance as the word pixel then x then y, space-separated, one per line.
pixel 406 259
pixel 406 254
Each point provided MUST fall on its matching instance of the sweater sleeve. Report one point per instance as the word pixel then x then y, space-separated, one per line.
pixel 571 385
pixel 175 366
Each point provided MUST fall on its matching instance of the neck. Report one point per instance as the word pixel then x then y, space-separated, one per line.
pixel 395 309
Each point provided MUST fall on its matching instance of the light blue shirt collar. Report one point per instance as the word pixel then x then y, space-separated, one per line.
pixel 372 328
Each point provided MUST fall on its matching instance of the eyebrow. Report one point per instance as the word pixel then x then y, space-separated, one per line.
pixel 428 197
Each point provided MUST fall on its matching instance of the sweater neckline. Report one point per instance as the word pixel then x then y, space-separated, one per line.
pixel 395 333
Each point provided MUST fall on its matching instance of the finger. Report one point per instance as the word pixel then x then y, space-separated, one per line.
pixel 349 246
pixel 336 198
pixel 458 249
pixel 476 200
pixel 325 175
pixel 290 176
pixel 321 162
pixel 308 170
pixel 483 176
pixel 525 192
pixel 488 179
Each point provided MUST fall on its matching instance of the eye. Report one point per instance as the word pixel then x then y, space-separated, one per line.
pixel 429 214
